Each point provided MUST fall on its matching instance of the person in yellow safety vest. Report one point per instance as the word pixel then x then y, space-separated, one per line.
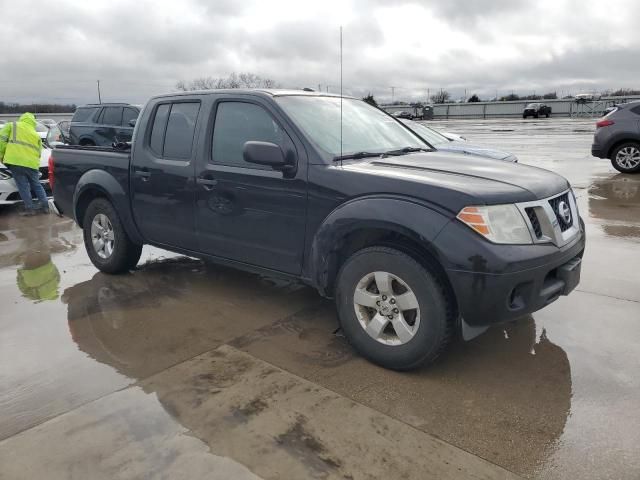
pixel 20 147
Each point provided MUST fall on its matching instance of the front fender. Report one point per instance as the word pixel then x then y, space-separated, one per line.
pixel 108 186
pixel 416 221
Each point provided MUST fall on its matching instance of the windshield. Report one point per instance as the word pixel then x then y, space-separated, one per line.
pixel 364 128
pixel 41 128
pixel 431 136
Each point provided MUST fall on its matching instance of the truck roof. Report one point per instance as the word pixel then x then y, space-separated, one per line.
pixel 268 92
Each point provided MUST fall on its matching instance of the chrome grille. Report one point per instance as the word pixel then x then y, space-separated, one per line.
pixel 561 208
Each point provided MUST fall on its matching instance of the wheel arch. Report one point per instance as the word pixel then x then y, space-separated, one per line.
pixel 617 141
pixel 100 184
pixel 390 222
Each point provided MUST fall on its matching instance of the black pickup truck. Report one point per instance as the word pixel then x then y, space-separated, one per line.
pixel 415 245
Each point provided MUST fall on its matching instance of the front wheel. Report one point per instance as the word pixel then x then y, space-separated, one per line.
pixel 108 245
pixel 392 310
pixel 626 157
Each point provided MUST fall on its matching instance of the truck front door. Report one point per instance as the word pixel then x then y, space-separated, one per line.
pixel 162 174
pixel 246 212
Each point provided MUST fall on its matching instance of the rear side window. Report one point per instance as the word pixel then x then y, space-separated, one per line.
pixel 237 123
pixel 127 115
pixel 157 131
pixel 83 114
pixel 111 116
pixel 173 129
pixel 178 140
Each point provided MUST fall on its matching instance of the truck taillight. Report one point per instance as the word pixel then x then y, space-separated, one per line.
pixel 51 177
pixel 604 123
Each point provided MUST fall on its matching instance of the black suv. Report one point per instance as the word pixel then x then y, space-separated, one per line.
pixel 103 124
pixel 618 138
pixel 536 110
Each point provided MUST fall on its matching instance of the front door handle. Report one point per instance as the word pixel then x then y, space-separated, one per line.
pixel 207 183
pixel 144 173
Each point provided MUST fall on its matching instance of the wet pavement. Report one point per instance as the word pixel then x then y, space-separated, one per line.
pixel 185 370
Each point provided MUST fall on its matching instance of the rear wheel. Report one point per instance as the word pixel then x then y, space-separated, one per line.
pixel 392 310
pixel 108 245
pixel 626 157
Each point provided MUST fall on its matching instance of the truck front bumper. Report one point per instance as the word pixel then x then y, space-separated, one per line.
pixel 506 282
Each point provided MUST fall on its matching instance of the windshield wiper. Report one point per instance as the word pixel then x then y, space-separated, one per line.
pixel 356 155
pixel 405 150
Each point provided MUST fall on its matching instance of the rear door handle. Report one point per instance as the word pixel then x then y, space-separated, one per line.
pixel 207 183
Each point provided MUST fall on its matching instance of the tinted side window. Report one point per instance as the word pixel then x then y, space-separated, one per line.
pixel 178 140
pixel 237 123
pixel 157 131
pixel 636 110
pixel 127 115
pixel 83 114
pixel 111 116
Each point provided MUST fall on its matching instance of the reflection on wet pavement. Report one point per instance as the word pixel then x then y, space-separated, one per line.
pixel 175 367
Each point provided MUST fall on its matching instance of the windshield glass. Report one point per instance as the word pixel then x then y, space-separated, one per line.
pixel 364 128
pixel 431 136
pixel 41 128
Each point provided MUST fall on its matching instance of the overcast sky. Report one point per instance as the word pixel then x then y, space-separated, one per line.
pixel 56 50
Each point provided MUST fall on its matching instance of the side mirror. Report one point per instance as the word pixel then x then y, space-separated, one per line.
pixel 132 123
pixel 265 153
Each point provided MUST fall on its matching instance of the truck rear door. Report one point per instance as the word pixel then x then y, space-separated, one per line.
pixel 248 212
pixel 162 173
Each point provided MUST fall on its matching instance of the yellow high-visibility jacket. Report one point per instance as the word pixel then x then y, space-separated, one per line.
pixel 20 144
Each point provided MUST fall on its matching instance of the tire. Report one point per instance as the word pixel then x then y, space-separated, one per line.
pixel 123 254
pixel 537 115
pixel 418 343
pixel 547 115
pixel 524 116
pixel 626 157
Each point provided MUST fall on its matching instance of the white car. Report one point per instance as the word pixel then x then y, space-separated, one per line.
pixel 447 142
pixel 8 189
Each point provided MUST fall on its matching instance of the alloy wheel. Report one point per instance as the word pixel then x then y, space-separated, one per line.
pixel 386 308
pixel 628 157
pixel 102 236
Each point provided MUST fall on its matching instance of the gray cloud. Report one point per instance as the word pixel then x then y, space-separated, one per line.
pixel 57 50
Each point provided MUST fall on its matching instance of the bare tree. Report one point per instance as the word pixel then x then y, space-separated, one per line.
pixel 234 80
pixel 441 97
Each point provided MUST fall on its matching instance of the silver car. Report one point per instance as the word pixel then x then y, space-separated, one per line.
pixel 445 144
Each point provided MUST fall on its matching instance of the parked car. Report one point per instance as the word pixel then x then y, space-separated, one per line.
pixel 587 97
pixel 442 143
pixel 8 190
pixel 454 137
pixel 103 124
pixel 47 121
pixel 536 110
pixel 403 114
pixel 617 138
pixel 413 244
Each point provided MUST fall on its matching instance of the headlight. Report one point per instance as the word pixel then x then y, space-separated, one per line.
pixel 5 174
pixel 498 223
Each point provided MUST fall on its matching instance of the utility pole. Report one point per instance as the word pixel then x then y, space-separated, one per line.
pixel 319 87
pixel 99 96
pixel 428 95
pixel 393 91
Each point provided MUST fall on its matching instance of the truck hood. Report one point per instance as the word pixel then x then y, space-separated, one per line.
pixel 475 179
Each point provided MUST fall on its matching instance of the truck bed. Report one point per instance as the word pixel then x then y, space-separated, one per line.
pixel 73 163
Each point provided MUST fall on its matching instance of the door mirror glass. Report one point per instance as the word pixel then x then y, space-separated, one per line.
pixel 264 153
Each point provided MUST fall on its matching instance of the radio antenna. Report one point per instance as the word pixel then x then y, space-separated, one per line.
pixel 340 95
